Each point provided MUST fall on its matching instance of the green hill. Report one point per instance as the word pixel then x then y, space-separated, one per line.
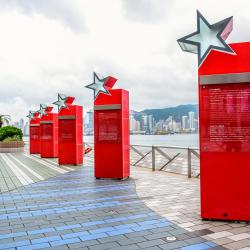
pixel 177 112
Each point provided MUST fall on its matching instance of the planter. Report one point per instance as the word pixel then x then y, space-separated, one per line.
pixel 11 146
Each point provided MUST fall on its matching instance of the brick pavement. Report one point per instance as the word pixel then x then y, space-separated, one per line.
pixel 75 211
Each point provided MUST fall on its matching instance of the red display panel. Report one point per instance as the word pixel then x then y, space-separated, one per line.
pixel 109 126
pixel 67 131
pixel 70 136
pixel 47 132
pixel 35 132
pixel 49 135
pixel 35 142
pixel 227 118
pixel 111 132
pixel 224 121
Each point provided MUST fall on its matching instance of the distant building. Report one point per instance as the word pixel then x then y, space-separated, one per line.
pixel 89 123
pixel 135 126
pixel 184 122
pixel 26 131
pixel 191 121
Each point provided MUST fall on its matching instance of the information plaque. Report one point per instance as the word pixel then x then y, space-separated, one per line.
pixel 224 120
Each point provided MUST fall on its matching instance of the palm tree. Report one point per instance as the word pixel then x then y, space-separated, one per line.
pixel 4 119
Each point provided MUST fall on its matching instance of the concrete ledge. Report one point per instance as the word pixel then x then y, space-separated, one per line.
pixel 12 146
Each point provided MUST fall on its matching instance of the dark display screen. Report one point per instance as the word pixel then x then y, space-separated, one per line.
pixel 108 126
pixel 225 117
pixel 67 130
pixel 47 131
pixel 35 132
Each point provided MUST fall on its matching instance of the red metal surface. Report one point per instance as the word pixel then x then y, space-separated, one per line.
pixel 35 143
pixel 49 136
pixel 111 129
pixel 225 138
pixel 70 129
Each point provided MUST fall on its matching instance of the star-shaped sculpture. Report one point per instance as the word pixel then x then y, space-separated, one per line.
pixel 207 37
pixel 42 109
pixel 61 102
pixel 31 115
pixel 98 86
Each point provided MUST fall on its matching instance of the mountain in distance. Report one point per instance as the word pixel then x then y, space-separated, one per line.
pixel 163 113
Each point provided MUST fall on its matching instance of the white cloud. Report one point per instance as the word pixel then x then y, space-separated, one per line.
pixel 53 46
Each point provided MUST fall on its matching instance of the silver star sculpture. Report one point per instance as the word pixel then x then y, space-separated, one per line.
pixel 42 109
pixel 61 102
pixel 207 37
pixel 31 115
pixel 98 85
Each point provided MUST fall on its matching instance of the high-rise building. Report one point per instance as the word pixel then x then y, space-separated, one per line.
pixel 21 124
pixel 144 123
pixel 89 123
pixel 150 123
pixel 191 121
pixel 26 131
pixel 132 123
pixel 184 122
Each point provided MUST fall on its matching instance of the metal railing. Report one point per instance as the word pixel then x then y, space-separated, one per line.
pixel 180 160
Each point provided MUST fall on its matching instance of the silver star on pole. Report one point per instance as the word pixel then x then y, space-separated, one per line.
pixel 42 109
pixel 207 37
pixel 31 115
pixel 98 86
pixel 61 102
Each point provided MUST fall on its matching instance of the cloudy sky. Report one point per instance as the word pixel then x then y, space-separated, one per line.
pixel 51 46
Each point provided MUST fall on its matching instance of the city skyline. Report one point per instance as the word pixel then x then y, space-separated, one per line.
pixel 145 125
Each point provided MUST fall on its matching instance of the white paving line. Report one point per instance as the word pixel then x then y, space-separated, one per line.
pixel 23 178
pixel 48 160
pixel 26 167
pixel 59 170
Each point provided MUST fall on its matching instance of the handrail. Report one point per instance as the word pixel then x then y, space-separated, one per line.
pixel 173 157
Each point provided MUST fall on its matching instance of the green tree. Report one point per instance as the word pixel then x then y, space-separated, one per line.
pixel 10 132
pixel 4 119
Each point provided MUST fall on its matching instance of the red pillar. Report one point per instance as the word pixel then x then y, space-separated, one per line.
pixel 49 134
pixel 111 134
pixel 35 143
pixel 224 106
pixel 70 124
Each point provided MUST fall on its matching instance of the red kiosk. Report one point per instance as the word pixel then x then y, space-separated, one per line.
pixel 224 118
pixel 35 143
pixel 111 129
pixel 70 130
pixel 49 133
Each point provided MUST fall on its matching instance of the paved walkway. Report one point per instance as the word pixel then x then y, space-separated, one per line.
pixel 75 211
pixel 19 169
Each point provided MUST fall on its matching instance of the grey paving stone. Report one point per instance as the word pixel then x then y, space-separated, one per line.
pixel 195 240
pixel 173 245
pixel 129 247
pixel 151 243
pixel 132 241
pixel 116 238
pixel 103 246
pixel 83 244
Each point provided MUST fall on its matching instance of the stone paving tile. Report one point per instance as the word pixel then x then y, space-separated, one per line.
pixel 28 168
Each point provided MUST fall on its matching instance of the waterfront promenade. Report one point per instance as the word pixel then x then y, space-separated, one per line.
pixel 72 210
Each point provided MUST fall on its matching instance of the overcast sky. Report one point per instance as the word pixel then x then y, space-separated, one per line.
pixel 51 46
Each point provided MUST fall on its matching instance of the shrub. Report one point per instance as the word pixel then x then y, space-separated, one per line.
pixel 10 132
pixel 13 138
